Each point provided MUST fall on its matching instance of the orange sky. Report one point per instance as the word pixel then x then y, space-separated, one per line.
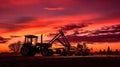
pixel 80 19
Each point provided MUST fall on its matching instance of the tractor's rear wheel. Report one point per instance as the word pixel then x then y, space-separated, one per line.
pixel 50 52
pixel 27 51
pixel 47 52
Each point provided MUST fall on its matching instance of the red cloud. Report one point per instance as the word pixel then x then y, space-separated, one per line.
pixel 4 40
pixel 55 8
pixel 8 3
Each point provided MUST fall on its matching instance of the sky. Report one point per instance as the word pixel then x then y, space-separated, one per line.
pixel 96 22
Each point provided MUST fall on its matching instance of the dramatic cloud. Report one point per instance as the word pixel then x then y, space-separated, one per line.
pixel 17 24
pixel 73 26
pixel 115 29
pixel 4 40
pixel 11 27
pixel 93 39
pixel 24 19
pixel 58 8
pixel 14 36
pixel 21 17
pixel 106 34
pixel 15 13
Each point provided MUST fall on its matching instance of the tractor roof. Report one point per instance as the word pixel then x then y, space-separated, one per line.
pixel 31 36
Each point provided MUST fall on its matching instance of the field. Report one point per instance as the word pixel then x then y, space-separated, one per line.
pixel 60 61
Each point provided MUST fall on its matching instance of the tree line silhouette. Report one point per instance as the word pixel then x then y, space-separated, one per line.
pixel 15 48
pixel 108 51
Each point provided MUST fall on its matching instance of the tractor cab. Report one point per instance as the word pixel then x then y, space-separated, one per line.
pixel 31 39
pixel 31 47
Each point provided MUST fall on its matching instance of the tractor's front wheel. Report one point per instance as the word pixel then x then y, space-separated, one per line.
pixel 47 52
pixel 27 51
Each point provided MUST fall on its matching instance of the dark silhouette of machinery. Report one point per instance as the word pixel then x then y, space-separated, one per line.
pixel 31 45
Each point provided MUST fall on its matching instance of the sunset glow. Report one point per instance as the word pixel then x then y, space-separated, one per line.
pixel 97 22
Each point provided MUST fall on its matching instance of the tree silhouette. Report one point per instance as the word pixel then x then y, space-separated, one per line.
pixel 104 51
pixel 79 46
pixel 15 47
pixel 116 51
pixel 108 50
pixel 100 51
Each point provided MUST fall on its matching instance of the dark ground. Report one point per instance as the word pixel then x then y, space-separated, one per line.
pixel 60 61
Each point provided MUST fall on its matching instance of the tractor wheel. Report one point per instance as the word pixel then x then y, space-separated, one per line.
pixel 27 51
pixel 58 51
pixel 64 53
pixel 50 52
pixel 44 52
pixel 78 54
pixel 47 52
